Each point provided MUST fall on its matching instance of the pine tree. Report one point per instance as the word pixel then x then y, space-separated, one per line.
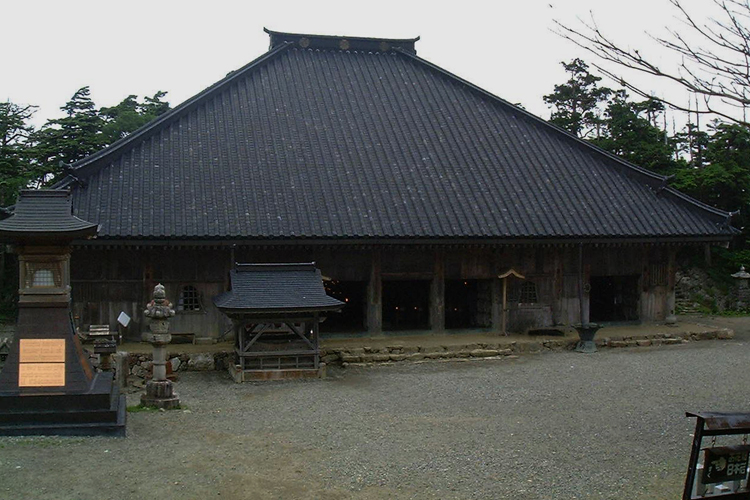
pixel 66 140
pixel 14 150
pixel 577 102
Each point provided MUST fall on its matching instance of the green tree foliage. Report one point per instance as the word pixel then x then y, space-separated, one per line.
pixel 130 115
pixel 577 102
pixel 85 130
pixel 14 149
pixel 63 141
pixel 723 179
pixel 629 132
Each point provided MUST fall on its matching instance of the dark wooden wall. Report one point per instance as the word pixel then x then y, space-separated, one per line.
pixel 108 281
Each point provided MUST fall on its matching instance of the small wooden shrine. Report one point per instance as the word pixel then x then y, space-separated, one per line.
pixel 47 385
pixel 275 311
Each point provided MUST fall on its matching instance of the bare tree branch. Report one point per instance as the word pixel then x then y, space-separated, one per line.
pixel 715 67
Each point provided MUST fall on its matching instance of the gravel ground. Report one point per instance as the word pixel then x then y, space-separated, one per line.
pixel 557 425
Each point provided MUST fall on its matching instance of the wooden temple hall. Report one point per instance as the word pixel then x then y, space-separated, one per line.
pixel 411 189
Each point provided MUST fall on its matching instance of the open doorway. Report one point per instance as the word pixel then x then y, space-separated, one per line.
pixel 352 316
pixel 467 304
pixel 614 298
pixel 406 305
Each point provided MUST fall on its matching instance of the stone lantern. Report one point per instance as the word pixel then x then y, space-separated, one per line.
pixel 743 291
pixel 159 391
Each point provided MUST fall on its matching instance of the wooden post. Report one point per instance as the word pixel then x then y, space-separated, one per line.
pixel 437 294
pixel 671 317
pixel 498 304
pixel 557 285
pixel 505 306
pixel 584 278
pixel 707 254
pixel 375 296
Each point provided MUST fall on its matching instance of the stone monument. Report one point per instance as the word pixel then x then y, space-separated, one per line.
pixel 159 390
pixel 47 385
pixel 743 292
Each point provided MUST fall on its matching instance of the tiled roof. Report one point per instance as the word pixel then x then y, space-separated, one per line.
pixel 324 143
pixel 276 287
pixel 45 212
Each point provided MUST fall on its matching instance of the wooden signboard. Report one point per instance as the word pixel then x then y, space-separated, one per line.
pixel 41 363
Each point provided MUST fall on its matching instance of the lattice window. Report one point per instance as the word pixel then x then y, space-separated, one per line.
pixel 190 299
pixel 527 293
pixel 41 275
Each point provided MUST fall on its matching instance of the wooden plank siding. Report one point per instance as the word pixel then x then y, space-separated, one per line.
pixel 108 281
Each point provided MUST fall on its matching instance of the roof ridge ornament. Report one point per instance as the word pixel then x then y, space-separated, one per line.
pixel 69 171
pixel 335 42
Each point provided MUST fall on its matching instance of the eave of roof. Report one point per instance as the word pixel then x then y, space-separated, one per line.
pixel 44 214
pixel 276 288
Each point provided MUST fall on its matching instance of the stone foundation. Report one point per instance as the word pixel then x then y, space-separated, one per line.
pixel 140 365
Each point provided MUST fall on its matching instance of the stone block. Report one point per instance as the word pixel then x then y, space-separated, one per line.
pixel 120 364
pixel 139 371
pixel 618 343
pixel 483 353
pixel 709 335
pixel 534 347
pixel 379 358
pixel 330 358
pixel 410 349
pixel 201 362
pixel 348 358
pixel 204 340
pixel 671 341
pixel 725 334
pixel 397 357
pixel 417 356
pixel 643 342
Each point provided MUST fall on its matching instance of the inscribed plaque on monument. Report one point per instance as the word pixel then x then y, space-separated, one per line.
pixel 41 375
pixel 42 351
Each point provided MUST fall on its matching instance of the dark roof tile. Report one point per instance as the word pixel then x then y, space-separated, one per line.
pixel 331 144
pixel 276 287
pixel 45 213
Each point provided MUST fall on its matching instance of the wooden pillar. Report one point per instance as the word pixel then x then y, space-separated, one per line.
pixel 707 254
pixel 437 294
pixel 375 295
pixel 313 328
pixel 557 285
pixel 584 284
pixel 671 317
pixel 496 294
pixel 646 309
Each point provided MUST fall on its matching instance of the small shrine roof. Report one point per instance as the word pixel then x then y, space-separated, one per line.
pixel 276 288
pixel 45 213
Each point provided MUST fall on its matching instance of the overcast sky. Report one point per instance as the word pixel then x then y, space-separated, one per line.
pixel 52 48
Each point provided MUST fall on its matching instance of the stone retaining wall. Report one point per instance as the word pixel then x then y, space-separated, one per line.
pixel 139 365
pixel 397 352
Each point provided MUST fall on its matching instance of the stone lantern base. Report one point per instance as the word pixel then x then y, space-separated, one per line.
pixel 160 393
